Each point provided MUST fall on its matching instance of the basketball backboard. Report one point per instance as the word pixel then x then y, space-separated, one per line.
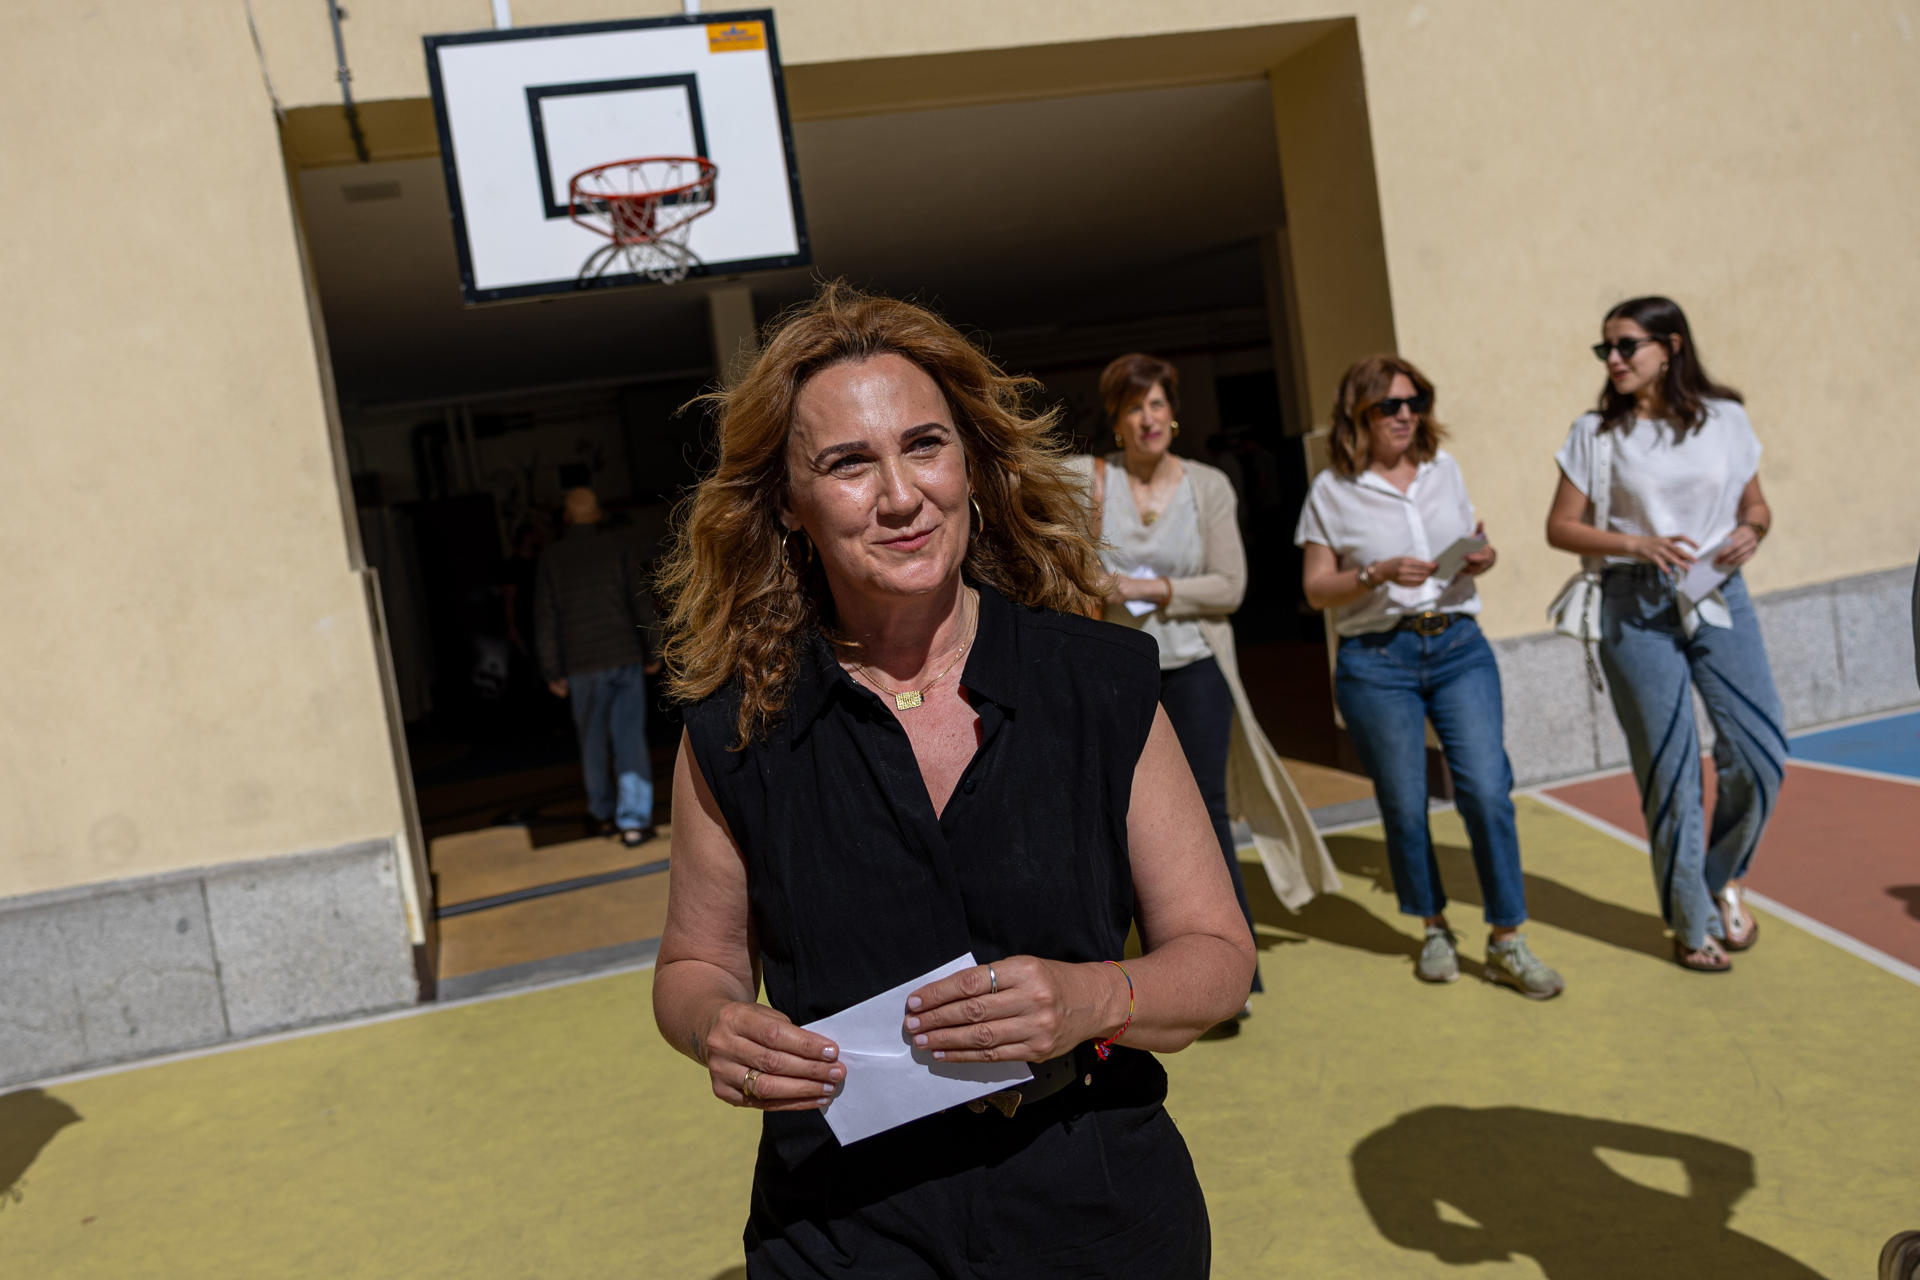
pixel 521 111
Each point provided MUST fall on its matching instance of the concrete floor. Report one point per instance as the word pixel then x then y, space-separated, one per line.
pixel 1756 1124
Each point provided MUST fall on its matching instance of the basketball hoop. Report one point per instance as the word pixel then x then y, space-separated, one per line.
pixel 645 208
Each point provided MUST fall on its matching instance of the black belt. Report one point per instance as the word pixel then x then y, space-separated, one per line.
pixel 1049 1078
pixel 1427 624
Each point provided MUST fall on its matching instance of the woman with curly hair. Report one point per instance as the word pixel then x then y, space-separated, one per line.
pixel 1374 527
pixel 902 745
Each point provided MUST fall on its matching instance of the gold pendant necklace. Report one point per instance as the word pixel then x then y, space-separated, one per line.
pixel 908 699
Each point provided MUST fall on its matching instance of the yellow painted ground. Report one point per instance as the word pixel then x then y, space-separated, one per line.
pixel 1758 1124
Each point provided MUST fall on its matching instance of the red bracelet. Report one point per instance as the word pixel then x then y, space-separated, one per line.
pixel 1104 1049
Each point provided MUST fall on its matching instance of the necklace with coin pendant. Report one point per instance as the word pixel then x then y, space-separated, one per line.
pixel 908 699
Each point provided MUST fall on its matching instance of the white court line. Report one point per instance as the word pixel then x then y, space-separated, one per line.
pixel 324 1028
pixel 1852 772
pixel 1827 933
pixel 1872 717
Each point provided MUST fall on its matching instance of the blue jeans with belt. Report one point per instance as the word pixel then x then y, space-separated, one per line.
pixel 1388 685
pixel 1651 665
pixel 610 710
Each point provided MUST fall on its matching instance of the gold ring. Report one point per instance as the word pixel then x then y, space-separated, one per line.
pixel 993 981
pixel 746 1084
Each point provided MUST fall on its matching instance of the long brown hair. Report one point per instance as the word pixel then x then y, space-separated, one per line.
pixel 1363 386
pixel 1685 386
pixel 741 605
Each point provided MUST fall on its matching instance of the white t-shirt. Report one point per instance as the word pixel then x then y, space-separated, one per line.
pixel 1666 488
pixel 1365 519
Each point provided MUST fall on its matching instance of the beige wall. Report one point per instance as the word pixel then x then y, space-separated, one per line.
pixel 1536 162
pixel 192 674
pixel 190 669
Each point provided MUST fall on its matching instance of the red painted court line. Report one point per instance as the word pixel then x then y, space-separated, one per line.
pixel 1840 848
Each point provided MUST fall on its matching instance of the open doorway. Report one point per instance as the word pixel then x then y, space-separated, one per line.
pixel 1061 230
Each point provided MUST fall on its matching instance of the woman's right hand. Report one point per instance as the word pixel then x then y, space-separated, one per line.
pixel 1673 555
pixel 793 1069
pixel 1402 571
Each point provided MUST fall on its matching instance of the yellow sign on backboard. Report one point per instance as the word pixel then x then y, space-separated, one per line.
pixel 735 37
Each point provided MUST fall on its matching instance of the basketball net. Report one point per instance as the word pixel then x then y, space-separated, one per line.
pixel 646 210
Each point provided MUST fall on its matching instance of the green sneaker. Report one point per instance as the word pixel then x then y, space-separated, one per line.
pixel 1513 964
pixel 1439 961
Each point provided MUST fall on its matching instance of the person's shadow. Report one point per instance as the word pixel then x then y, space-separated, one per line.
pixel 1333 918
pixel 1909 894
pixel 1481 1185
pixel 29 1119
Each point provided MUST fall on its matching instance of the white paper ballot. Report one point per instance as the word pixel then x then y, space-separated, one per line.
pixel 888 1081
pixel 1141 608
pixel 1701 581
pixel 1455 557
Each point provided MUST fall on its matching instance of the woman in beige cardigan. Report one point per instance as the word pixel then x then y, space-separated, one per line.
pixel 1173 545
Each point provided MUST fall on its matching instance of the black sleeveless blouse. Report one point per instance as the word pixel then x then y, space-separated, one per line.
pixel 856 886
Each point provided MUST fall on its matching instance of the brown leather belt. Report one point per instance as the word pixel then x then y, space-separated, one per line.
pixel 1427 624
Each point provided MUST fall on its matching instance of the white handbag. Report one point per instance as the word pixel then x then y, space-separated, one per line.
pixel 1576 610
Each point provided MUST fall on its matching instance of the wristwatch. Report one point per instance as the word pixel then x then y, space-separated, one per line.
pixel 1364 575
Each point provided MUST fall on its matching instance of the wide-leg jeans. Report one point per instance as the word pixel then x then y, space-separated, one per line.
pixel 1389 685
pixel 610 710
pixel 1650 664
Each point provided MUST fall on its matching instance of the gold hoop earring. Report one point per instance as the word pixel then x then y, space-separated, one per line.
pixel 786 548
pixel 1118 443
pixel 1175 428
pixel 979 519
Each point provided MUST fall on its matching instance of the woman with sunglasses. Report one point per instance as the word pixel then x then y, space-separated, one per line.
pixel 1374 529
pixel 1683 488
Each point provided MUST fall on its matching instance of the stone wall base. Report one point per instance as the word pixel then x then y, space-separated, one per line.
pixel 135 968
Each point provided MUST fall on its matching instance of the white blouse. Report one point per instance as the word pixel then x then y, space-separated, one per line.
pixel 1663 487
pixel 1364 519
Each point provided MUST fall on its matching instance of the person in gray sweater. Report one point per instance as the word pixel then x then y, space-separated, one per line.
pixel 592 616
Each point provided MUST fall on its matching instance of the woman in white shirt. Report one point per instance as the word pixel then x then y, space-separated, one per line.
pixel 1681 466
pixel 1374 528
pixel 1172 543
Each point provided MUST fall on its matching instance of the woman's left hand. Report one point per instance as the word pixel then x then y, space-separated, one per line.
pixel 1020 1009
pixel 1480 561
pixel 1157 590
pixel 1739 548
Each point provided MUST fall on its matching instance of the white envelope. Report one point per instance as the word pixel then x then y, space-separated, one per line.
pixel 1704 578
pixel 888 1081
pixel 1454 558
pixel 1141 608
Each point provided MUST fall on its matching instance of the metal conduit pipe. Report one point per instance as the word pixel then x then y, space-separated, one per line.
pixel 334 14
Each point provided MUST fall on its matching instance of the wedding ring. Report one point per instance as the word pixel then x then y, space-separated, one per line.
pixel 993 981
pixel 746 1085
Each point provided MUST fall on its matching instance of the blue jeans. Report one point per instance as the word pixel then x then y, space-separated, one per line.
pixel 610 709
pixel 1650 664
pixel 1389 685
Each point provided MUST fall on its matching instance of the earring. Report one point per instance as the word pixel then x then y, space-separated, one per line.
pixel 786 548
pixel 1118 443
pixel 979 520
pixel 1175 429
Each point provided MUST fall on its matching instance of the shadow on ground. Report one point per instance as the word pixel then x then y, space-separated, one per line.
pixel 1483 1185
pixel 29 1119
pixel 1909 894
pixel 1344 922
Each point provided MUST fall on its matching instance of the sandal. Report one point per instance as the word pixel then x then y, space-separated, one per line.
pixel 1706 958
pixel 1741 928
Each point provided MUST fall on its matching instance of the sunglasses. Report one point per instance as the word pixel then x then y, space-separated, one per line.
pixel 1625 346
pixel 1392 405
